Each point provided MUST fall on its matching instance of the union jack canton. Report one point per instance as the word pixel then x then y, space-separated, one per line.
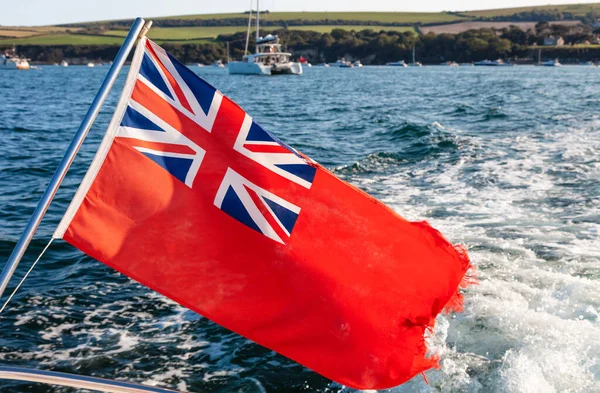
pixel 177 144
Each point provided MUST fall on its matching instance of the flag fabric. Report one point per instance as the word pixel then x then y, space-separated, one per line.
pixel 191 197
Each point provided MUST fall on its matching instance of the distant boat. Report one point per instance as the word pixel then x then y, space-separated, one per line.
pixel 90 64
pixel 218 64
pixel 400 63
pixel 10 60
pixel 414 62
pixel 22 64
pixel 340 63
pixel 492 63
pixel 552 63
pixel 346 64
pixel 64 64
pixel 358 64
pixel 449 64
pixel 268 58
pixel 322 65
pixel 304 62
pixel 200 65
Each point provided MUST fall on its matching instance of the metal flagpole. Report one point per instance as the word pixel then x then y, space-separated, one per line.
pixel 69 156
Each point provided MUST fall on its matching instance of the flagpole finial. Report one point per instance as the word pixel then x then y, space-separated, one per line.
pixel 145 29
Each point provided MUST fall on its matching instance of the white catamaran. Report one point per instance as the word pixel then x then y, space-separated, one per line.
pixel 268 58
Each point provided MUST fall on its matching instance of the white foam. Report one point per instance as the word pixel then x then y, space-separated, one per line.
pixel 533 322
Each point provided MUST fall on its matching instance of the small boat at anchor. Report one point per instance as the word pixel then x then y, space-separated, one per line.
pixel 268 60
pixel 339 63
pixel 552 63
pixel 414 63
pixel 304 62
pixel 493 63
pixel 400 63
pixel 10 60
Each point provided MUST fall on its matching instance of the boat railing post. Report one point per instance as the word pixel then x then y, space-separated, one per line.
pixel 63 167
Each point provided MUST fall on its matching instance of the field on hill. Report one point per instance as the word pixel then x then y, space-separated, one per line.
pixel 456 28
pixel 17 33
pixel 20 31
pixel 162 34
pixel 61 39
pixel 575 9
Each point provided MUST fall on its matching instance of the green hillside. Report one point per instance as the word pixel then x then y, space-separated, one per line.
pixel 62 39
pixel 182 35
pixel 206 27
pixel 209 32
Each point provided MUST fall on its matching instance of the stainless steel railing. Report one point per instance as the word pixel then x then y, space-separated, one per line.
pixel 76 381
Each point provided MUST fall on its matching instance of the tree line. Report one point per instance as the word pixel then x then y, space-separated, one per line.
pixel 370 46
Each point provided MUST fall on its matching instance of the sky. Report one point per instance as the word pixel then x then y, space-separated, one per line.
pixel 49 12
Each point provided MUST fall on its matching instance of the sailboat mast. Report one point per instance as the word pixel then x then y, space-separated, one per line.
pixel 248 32
pixel 257 23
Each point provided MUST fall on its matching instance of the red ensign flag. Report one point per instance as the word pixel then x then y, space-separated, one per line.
pixel 191 197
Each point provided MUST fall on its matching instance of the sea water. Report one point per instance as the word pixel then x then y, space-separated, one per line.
pixel 503 160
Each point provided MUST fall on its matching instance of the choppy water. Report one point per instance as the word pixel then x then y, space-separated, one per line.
pixel 503 160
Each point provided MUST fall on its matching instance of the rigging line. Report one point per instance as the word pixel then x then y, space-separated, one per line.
pixel 26 275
